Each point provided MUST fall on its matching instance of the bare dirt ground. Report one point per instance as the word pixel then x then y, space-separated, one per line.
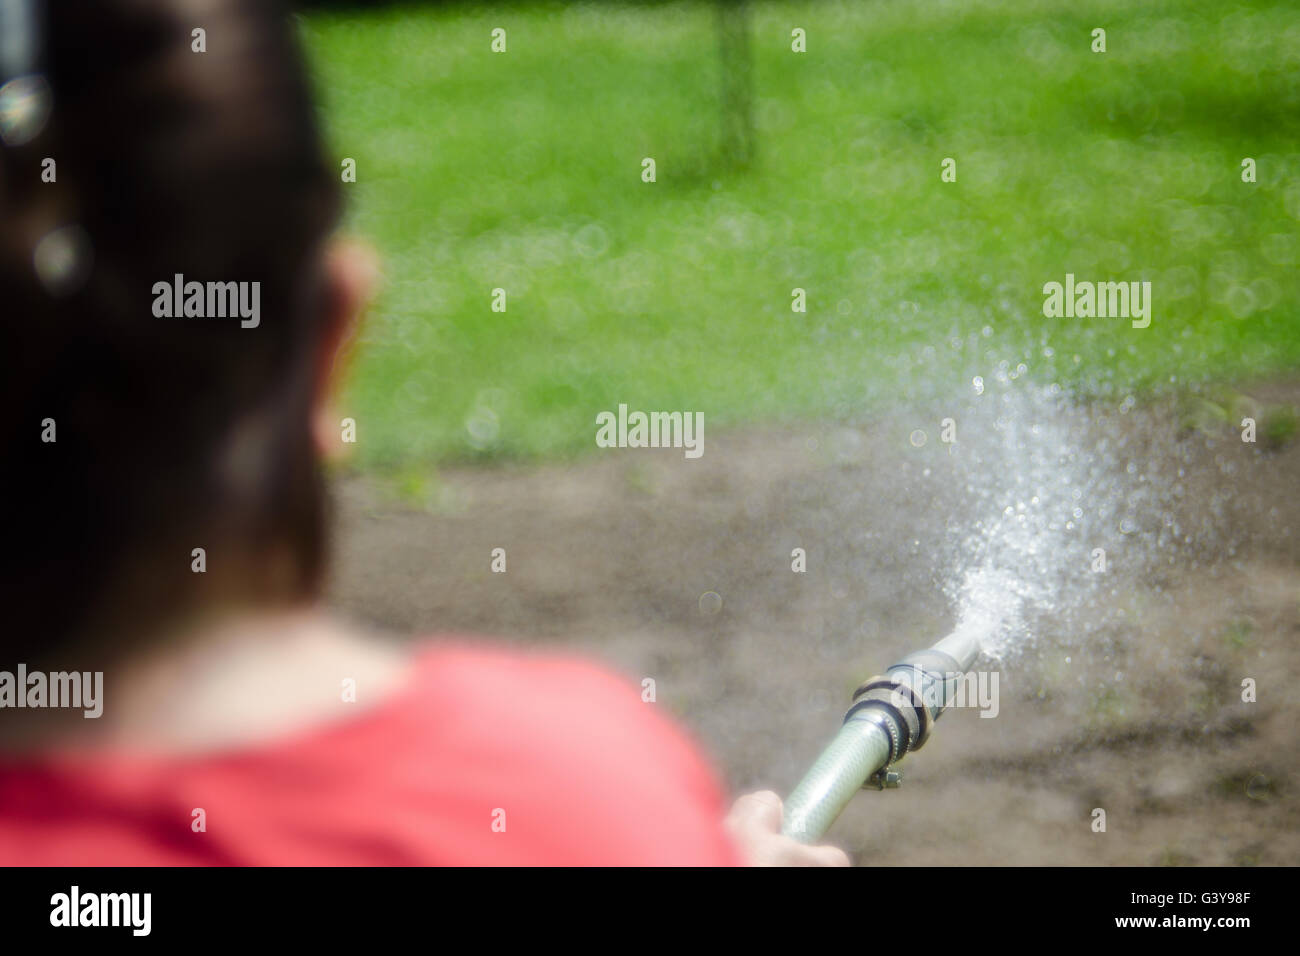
pixel 1123 692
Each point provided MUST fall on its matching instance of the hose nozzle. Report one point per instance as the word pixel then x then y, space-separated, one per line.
pixel 891 715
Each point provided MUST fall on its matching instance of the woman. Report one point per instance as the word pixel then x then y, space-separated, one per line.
pixel 165 522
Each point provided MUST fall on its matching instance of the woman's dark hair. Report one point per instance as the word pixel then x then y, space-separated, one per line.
pixel 170 434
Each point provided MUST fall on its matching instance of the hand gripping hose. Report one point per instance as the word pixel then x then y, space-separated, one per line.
pixel 891 715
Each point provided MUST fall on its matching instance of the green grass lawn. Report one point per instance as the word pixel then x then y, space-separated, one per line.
pixel 523 171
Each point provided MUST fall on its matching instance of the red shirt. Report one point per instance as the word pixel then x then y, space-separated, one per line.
pixel 487 758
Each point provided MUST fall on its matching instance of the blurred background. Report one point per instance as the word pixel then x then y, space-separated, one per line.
pixel 778 170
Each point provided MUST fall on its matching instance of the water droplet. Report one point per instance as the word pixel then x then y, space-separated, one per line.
pixel 590 241
pixel 483 427
pixel 710 603
pixel 917 438
pixel 25 103
pixel 978 382
pixel 62 260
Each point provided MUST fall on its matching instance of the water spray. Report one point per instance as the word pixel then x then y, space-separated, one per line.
pixel 891 716
pixel 1038 487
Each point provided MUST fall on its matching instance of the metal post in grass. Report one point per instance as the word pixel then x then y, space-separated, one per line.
pixel 736 64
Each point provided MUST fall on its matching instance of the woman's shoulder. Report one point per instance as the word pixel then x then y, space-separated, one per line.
pixel 552 711
pixel 551 757
pixel 477 754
